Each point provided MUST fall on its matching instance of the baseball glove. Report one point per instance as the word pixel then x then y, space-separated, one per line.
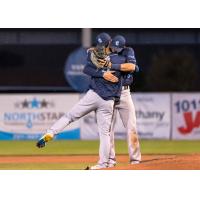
pixel 99 57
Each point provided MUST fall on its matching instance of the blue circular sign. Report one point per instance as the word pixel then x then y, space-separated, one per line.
pixel 74 66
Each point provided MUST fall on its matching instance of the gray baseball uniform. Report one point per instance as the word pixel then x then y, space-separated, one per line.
pixel 127 113
pixel 126 110
pixel 104 109
pixel 100 98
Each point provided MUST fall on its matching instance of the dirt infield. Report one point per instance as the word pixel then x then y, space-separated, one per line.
pixel 149 162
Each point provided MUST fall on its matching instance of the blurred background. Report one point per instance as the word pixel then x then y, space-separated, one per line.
pixel 34 59
pixel 41 78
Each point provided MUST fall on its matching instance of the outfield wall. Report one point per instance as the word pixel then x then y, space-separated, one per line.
pixel 27 116
pixel 153 118
pixel 159 116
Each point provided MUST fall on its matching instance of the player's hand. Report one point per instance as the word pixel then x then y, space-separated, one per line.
pixel 104 62
pixel 110 77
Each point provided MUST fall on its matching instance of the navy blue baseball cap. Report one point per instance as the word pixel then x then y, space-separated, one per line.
pixel 103 39
pixel 118 43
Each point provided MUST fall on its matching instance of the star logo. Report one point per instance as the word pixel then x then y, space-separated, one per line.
pixel 25 104
pixel 44 103
pixel 35 103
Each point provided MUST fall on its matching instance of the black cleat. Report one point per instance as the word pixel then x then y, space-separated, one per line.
pixel 87 168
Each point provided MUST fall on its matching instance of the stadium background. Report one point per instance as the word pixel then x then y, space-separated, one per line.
pixel 36 57
pixel 32 63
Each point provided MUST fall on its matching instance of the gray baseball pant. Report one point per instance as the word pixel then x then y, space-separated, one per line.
pixel 104 112
pixel 127 114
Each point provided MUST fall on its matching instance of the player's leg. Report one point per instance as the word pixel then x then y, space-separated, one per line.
pixel 112 157
pixel 83 107
pixel 104 117
pixel 128 116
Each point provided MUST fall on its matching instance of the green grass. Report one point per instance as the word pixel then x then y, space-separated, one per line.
pixel 77 147
pixel 43 166
pixel 73 147
pixel 170 147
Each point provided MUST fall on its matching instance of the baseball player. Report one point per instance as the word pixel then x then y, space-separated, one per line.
pixel 100 98
pixel 125 107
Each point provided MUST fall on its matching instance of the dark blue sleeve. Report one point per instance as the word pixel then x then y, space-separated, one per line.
pixel 130 58
pixel 127 79
pixel 137 69
pixel 91 71
pixel 130 55
pixel 116 67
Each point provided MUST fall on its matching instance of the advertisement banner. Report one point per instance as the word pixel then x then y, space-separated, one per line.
pixel 89 129
pixel 74 66
pixel 27 116
pixel 186 116
pixel 153 115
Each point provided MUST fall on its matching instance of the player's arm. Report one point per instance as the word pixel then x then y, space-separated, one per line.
pixel 137 69
pixel 130 57
pixel 130 65
pixel 92 71
pixel 124 67
pixel 128 79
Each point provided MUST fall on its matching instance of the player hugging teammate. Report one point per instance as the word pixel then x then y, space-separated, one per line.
pixel 111 66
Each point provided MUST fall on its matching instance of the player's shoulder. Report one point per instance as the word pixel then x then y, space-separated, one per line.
pixel 128 50
pixel 91 49
pixel 129 54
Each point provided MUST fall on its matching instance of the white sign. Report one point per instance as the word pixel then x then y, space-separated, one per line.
pixel 153 115
pixel 186 116
pixel 26 116
pixel 153 118
pixel 89 129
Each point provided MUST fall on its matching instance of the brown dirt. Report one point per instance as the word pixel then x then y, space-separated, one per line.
pixel 149 162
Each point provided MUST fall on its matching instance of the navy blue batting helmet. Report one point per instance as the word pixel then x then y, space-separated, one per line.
pixel 118 43
pixel 103 39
